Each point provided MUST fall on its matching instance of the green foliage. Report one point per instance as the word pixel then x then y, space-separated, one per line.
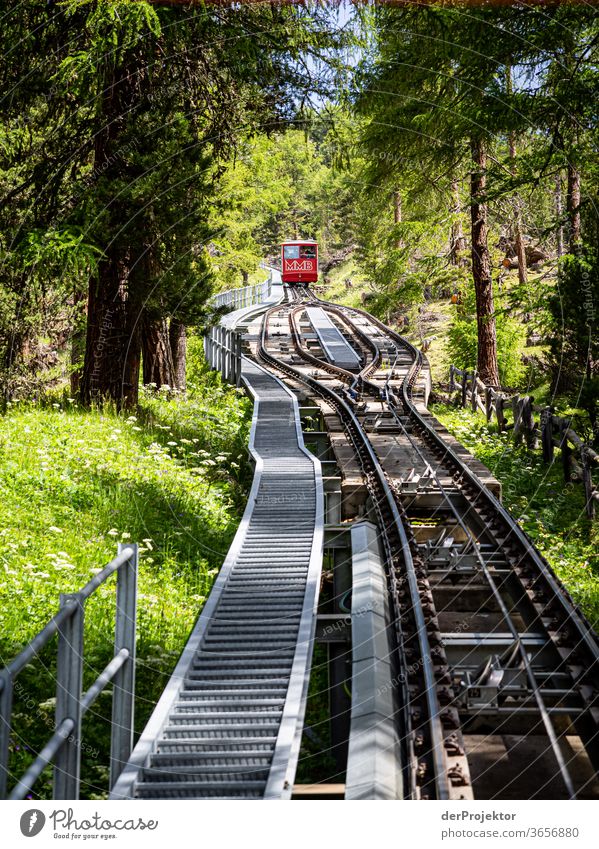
pixel 72 485
pixel 463 339
pixel 573 308
pixel 120 121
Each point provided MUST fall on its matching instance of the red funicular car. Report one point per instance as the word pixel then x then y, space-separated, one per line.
pixel 300 262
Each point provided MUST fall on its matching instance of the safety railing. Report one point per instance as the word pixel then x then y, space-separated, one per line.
pixel 64 746
pixel 247 296
pixel 222 349
pixel 578 458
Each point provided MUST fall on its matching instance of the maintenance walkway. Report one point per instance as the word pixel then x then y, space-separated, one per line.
pixel 229 722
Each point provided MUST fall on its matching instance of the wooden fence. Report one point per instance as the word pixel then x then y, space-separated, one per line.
pixel 533 424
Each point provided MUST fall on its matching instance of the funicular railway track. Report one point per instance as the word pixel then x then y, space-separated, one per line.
pixel 531 676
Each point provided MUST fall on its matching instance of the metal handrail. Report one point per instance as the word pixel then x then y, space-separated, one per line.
pixel 45 635
pixel 63 747
pixel 245 296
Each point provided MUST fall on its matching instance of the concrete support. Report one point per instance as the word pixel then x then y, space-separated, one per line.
pixel 373 764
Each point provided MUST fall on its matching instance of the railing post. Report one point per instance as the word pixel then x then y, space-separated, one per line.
pixel 451 379
pixel 69 674
pixel 5 726
pixel 123 693
pixel 223 352
pixel 229 356
pixel 238 349
pixel 219 350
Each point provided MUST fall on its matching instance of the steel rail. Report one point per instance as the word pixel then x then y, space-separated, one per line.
pixel 557 592
pixel 355 430
pixel 546 719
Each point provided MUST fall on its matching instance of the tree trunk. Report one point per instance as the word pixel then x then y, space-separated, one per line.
pixel 113 345
pixel 481 267
pixel 458 240
pixel 517 228
pixel 397 206
pixel 113 341
pixel 157 357
pixel 178 343
pixel 558 214
pixel 573 205
pixel 77 341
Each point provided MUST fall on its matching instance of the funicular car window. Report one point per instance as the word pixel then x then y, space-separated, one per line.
pixel 291 251
pixel 307 251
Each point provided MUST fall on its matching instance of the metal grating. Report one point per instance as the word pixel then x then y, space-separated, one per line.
pixel 229 721
pixel 337 349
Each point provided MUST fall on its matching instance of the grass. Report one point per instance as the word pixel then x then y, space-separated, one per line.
pixel 550 511
pixel 337 289
pixel 74 483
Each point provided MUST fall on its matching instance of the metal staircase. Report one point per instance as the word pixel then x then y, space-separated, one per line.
pixel 229 722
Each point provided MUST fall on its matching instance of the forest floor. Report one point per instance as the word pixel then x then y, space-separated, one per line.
pixel 73 484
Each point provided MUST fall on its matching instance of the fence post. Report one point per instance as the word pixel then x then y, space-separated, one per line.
pixel 488 403
pixel 499 404
pixel 547 434
pixel 464 387
pixel 5 725
pixel 473 395
pixel 451 379
pixel 123 691
pixel 528 421
pixel 517 411
pixel 69 674
pixel 566 455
